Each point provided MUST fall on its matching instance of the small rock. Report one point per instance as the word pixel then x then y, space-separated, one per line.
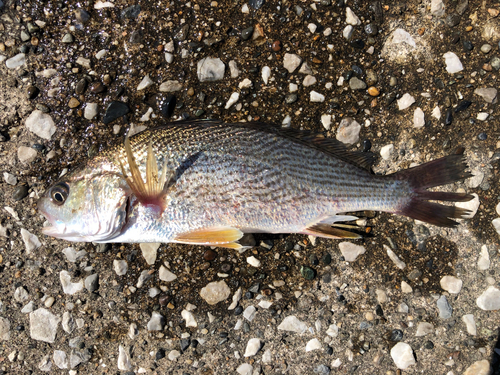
pixel 496 224
pixel 386 151
pixel 156 322
pixel 166 275
pixel 249 313
pixel 41 124
pixel 478 368
pixel 232 99
pixel 406 288
pixel 405 101
pixel 245 369
pixel 233 69
pixel 266 73
pixel 437 8
pixel 351 251
pixel 210 69
pixel 253 346
pixel 215 292
pixel 292 324
pixel 309 80
pixel 68 322
pixel 90 111
pixel 356 84
pixel 143 278
pixel 348 131
pixel 43 325
pixel 424 328
pixel 123 362
pixel 92 282
pixel 451 284
pixel 470 323
pixel 351 18
pixel 115 110
pixel 445 310
pixel 149 251
pixel 453 64
pixel 487 93
pixel 20 294
pixel 16 61
pixel 4 329
pixel 316 97
pixel 72 255
pixel 31 242
pixel 490 299
pixel 189 318
pixel 145 83
pixel 291 62
pixel 10 178
pixel 402 355
pixel 67 285
pixel 347 32
pixel 483 262
pixel 45 363
pixel 418 118
pixel 26 154
pixel 398 262
pixel 83 62
pixel 60 359
pixel 313 344
pixel 482 116
pixel 326 120
pixel 373 91
pixel 67 38
pixel 253 261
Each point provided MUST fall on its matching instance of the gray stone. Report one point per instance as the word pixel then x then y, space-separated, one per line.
pixel 351 18
pixel 4 329
pixel 156 322
pixel 68 322
pixel 451 284
pixel 67 38
pixel 31 241
pixel 445 310
pixel 45 363
pixel 16 61
pixel 41 124
pixel 348 131
pixel 20 294
pixel 210 69
pixel 292 324
pixel 60 359
pixel 215 292
pixel 26 154
pixel 437 8
pixel 92 282
pixel 356 84
pixel 490 299
pixel 143 278
pixel 424 328
pixel 43 325
pixel 120 267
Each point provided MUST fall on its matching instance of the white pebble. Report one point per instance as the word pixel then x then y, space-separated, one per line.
pixel 292 87
pixel 10 178
pixel 402 355
pixel 496 224
pixel 189 318
pixel 169 57
pixel 31 242
pixel 316 97
pixel 470 323
pixel 26 154
pixel 490 299
pixel 166 275
pixel 351 18
pixel 351 251
pixel 405 101
pixel 60 359
pixel 90 111
pixel 266 73
pixel 267 304
pixel 99 55
pixel 386 151
pixel 333 330
pixel 253 346
pixel 287 121
pixel 437 8
pixel 83 62
pixel 312 27
pixel 249 313
pixel 149 251
pixel 236 299
pixel 453 64
pixel 482 116
pixel 210 69
pixel 245 369
pixel 215 292
pixel 291 62
pixel 471 205
pixel 41 124
pixel 483 262
pixel 418 118
pixel 398 262
pixel 120 267
pixel 267 356
pixel 424 328
pixel 123 362
pixel 43 325
pixel 146 116
pixel 170 86
pixel 233 69
pixel 436 113
pixel 309 80
pixel 305 69
pixel 347 32
pixel 479 368
pixel 291 323
pixel 16 61
pixel 451 284
pixel 245 9
pixel 145 83
pixel 313 344
pixel 476 179
pixel 156 322
pixel 246 83
pixel 348 131
pixel 103 4
pixel 253 261
pixel 497 208
pixel 232 99
pixel 173 355
pixel 405 287
pixel 67 285
pixel 326 120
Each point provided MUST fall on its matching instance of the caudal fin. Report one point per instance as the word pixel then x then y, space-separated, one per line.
pixel 438 172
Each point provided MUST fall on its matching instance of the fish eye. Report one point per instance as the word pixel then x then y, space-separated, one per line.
pixel 59 193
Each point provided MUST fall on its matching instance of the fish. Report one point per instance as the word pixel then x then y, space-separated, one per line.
pixel 205 182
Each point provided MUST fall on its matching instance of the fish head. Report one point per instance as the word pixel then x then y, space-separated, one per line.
pixel 86 207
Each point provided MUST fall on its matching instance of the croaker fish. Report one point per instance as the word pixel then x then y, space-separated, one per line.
pixel 208 183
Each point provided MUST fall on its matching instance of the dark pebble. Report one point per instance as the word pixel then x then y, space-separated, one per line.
pixel 462 106
pixel 225 267
pixel 267 291
pixel 327 278
pixel 449 117
pixel 131 12
pixel 167 105
pixel 367 145
pixel 358 43
pixel 97 88
pixel 164 299
pixel 248 295
pixel 209 255
pixel 256 4
pixel 276 46
pixel 184 344
pixel 82 16
pixel 482 136
pixel 307 272
pixel 115 110
pixel 371 29
pixel 314 259
pixel 379 311
pixel 364 325
pixel 429 345
pixel 38 147
pixel 452 20
pixel 81 86
pixel 136 37
pixel 20 192
pixel 194 343
pixel 254 288
pixel 32 92
pixel 238 310
pixel 160 354
pixel 42 107
pixel 468 46
pixel 246 33
pixel 326 259
pixel 329 350
pixel 390 98
pixel 357 70
pixel 199 113
pixel 396 335
pixel 20 328
pixel 291 98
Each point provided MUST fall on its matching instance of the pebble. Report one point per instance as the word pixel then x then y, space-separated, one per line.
pixel 347 32
pixel 145 83
pixel 83 62
pixel 10 178
pixel 170 86
pixel 210 69
pixel 448 119
pixel 41 124
pixel 60 359
pixel 143 278
pixel 31 242
pixel 424 328
pixel 313 344
pixel 68 323
pixel 487 93
pixel 307 272
pixel 418 118
pixel 249 313
pixel 348 131
pixel 245 84
pixel 350 251
pixel 437 8
pixel 316 97
pixel 305 69
pixel 496 224
pixel 373 91
pixel 405 101
pixel 67 285
pixel 478 368
pixel 120 267
pixel 173 355
pixel 483 262
pixel 20 294
pixel 486 48
pixel 482 116
pixel 398 262
pixel 356 84
pixel 215 292
pixel 245 369
pixel 326 121
pixel 123 361
pixel 26 154
pixel 451 284
pixel 165 275
pixel 73 103
pixel 20 192
pixel 90 111
pixel 351 18
pixel 445 310
pixel 291 62
pixel 489 299
pixel 253 346
pixel 115 110
pixel 67 38
pixel 402 355
pixel 16 61
pixel 470 324
pixel 43 325
pixel 92 282
pixel 309 80
pixel 386 151
pixel 322 370
pixel 45 363
pixel 72 255
pixel 253 261
pixel 292 324
pixel 156 322
pixel 266 73
pixel 189 318
pixel 406 288
pixel 149 251
pixel 233 69
pixel 453 64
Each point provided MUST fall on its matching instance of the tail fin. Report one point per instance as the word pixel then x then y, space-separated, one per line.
pixel 438 172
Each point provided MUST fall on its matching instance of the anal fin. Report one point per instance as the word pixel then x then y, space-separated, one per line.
pixel 327 231
pixel 152 192
pixel 216 236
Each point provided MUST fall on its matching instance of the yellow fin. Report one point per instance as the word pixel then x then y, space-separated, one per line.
pixel 154 190
pixel 327 231
pixel 217 236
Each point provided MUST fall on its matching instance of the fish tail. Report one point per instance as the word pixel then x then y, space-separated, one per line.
pixel 438 172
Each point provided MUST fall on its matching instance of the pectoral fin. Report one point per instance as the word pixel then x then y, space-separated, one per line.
pixel 217 236
pixel 155 189
pixel 327 231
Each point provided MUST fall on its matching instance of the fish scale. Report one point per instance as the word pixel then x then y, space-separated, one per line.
pixel 257 178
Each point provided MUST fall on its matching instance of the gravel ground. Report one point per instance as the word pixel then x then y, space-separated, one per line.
pixel 411 81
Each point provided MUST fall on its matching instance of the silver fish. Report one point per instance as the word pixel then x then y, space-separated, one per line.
pixel 208 183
